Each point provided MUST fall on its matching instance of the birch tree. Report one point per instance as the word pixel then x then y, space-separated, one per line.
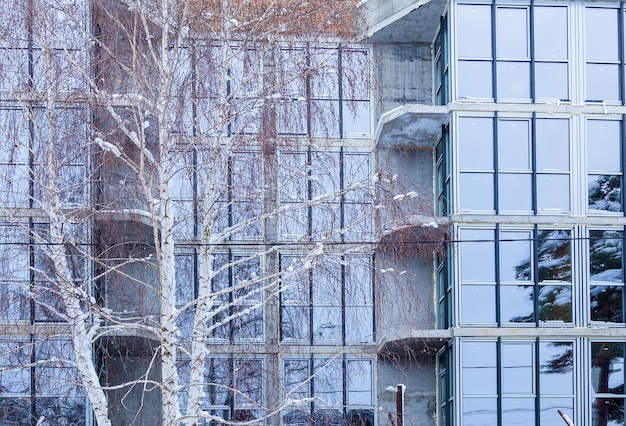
pixel 176 183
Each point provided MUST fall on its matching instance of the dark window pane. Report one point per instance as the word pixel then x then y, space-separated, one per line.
pixel 607 368
pixel 605 256
pixel 606 303
pixel 605 192
pixel 555 303
pixel 607 412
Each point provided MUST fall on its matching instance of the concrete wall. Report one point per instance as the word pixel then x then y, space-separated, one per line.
pixel 404 75
pixel 418 373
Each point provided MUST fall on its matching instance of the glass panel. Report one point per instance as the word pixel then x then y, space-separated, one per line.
pixel 514 192
pixel 552 144
pixel 248 382
pixel 549 410
pixel 601 34
pixel 479 368
pixel 518 411
pixel 555 303
pixel 602 82
pixel 603 145
pixel 476 143
pixel 220 381
pixel 607 303
pixel 556 363
pixel 607 368
pixel 355 82
pixel 325 78
pixel 554 256
pixel 474 79
pixel 327 383
pixel 478 303
pixel 356 119
pixel 551 80
pixel 605 256
pixel 360 385
pixel 607 412
pixel 512 33
pixel 476 190
pixel 516 303
pixel 514 144
pixel 605 192
pixel 515 256
pixel 553 192
pixel 473 25
pixel 550 26
pixel 480 412
pixel 14 369
pixel 477 255
pixel 513 80
pixel 295 322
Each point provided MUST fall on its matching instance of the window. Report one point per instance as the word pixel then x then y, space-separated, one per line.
pixel 442 63
pixel 329 303
pixel 606 280
pixel 332 100
pixel 517 381
pixel 530 173
pixel 607 383
pixel 341 389
pixel 444 289
pixel 325 195
pixel 445 367
pixel 529 45
pixel 442 153
pixel 604 165
pixel 531 284
pixel 42 373
pixel 234 387
pixel 602 53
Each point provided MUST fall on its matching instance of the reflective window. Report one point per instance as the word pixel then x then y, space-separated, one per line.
pixel 527 290
pixel 329 303
pixel 499 380
pixel 607 383
pixel 606 276
pixel 602 54
pixel 318 388
pixel 340 180
pixel 515 162
pixel 604 165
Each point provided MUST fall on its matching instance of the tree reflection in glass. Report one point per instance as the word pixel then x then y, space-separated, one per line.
pixel 606 276
pixel 607 377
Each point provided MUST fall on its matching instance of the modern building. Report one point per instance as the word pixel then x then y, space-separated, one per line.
pixel 439 206
pixel 523 120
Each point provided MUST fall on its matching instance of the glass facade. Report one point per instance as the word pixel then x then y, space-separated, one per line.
pixel 533 159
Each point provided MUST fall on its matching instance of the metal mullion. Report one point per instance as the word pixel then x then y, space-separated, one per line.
pixel 537 383
pixel 533 149
pixel 230 293
pixel 497 272
pixel 373 300
pixel 496 187
pixel 310 194
pixel 620 44
pixel 499 380
pixel 531 42
pixel 308 94
pixel 343 300
pixel 344 377
pixel 623 161
pixel 311 306
pixel 535 271
pixel 342 197
pixel 623 266
pixel 312 375
pixel 494 61
pixel 340 87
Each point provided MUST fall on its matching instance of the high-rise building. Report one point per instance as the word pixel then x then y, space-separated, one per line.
pixel 524 118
